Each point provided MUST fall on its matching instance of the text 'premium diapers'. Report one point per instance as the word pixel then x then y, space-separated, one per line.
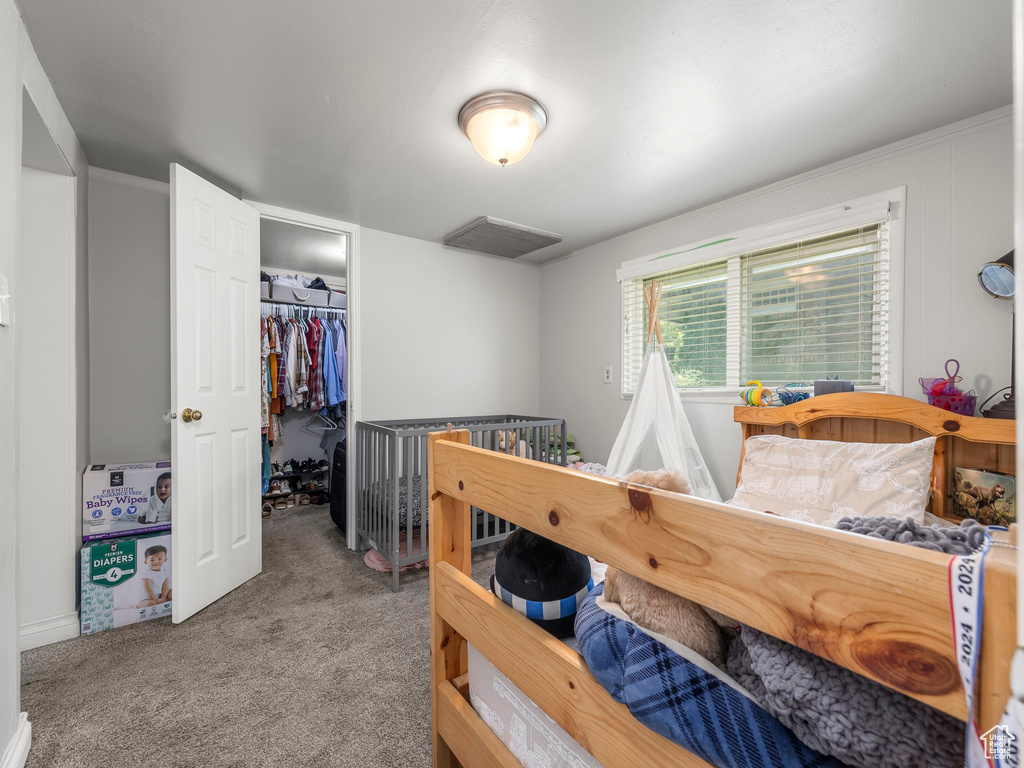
pixel 126 499
pixel 125 581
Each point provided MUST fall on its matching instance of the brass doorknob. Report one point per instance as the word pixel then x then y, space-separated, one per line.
pixel 188 415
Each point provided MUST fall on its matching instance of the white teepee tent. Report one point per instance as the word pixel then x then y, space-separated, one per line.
pixel 656 433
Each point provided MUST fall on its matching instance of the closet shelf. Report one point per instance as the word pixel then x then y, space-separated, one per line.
pixel 297 492
pixel 299 474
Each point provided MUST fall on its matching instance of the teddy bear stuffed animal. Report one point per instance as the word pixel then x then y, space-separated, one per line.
pixel 657 609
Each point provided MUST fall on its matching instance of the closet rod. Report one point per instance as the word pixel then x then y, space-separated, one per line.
pixel 294 310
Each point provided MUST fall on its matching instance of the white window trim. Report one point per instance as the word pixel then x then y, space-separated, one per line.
pixel 823 220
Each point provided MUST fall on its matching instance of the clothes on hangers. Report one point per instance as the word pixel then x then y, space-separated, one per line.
pixel 314 374
pixel 265 475
pixel 332 383
pixel 340 352
pixel 302 352
pixel 264 362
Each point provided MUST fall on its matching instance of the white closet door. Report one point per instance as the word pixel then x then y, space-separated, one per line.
pixel 215 392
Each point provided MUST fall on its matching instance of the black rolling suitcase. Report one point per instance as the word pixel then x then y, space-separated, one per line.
pixel 338 487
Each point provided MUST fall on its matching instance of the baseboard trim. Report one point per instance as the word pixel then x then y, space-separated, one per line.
pixel 51 630
pixel 16 754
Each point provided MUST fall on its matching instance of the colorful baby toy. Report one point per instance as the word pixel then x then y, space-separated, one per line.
pixel 757 394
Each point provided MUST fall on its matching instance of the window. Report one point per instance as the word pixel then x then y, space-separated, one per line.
pixel 814 306
pixel 694 330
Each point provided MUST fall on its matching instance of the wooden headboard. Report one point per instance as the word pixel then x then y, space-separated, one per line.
pixel 865 417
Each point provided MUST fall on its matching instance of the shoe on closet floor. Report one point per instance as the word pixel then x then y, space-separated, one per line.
pixel 304 500
pixel 290 501
pixel 280 503
pixel 268 509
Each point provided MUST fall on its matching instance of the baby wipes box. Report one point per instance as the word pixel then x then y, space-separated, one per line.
pixel 126 499
pixel 125 581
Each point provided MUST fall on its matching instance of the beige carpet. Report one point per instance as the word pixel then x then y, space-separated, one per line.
pixel 315 662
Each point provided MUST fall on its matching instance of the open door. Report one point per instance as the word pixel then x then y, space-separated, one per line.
pixel 216 446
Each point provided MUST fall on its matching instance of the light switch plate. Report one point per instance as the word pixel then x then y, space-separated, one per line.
pixel 607 374
pixel 5 301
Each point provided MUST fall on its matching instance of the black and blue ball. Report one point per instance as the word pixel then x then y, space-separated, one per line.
pixel 541 579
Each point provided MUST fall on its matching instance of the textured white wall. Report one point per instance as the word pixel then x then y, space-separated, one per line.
pixel 20 68
pixel 445 332
pixel 49 517
pixel 959 183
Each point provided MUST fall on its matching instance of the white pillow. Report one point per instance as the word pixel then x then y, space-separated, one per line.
pixel 822 481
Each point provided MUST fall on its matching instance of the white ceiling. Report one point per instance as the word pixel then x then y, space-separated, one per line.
pixel 348 109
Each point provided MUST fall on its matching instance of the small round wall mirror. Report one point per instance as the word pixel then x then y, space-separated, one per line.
pixel 997 279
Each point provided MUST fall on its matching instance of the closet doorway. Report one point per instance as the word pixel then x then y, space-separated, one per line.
pixel 216 381
pixel 295 246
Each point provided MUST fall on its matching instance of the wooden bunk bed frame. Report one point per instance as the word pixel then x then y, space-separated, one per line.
pixel 875 607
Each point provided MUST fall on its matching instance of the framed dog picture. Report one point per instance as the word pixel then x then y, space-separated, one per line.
pixel 988 497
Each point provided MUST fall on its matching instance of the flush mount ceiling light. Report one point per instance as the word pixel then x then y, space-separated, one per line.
pixel 502 125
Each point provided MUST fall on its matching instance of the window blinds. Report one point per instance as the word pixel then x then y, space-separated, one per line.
pixel 791 313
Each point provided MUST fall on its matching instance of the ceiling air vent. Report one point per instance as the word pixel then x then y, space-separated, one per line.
pixel 500 238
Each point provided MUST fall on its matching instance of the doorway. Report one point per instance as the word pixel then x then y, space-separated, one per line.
pixel 320 246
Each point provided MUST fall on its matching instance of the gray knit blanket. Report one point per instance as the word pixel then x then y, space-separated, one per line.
pixel 953 541
pixel 838 712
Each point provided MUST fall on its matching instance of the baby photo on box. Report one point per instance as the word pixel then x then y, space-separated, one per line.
pixel 126 499
pixel 125 581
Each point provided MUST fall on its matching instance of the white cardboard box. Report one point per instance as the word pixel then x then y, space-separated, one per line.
pixel 125 499
pixel 125 581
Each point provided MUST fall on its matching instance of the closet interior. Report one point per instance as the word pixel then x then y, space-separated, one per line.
pixel 304 369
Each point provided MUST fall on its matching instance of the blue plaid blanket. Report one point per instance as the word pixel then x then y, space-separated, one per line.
pixel 684 703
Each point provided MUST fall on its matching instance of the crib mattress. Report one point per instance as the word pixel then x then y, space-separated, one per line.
pixel 381 490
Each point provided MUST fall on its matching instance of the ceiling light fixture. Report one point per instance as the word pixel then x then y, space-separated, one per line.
pixel 502 125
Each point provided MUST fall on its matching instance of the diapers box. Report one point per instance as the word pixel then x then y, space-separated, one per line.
pixel 125 581
pixel 126 499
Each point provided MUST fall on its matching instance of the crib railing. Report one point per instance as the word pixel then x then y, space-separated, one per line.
pixel 391 478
